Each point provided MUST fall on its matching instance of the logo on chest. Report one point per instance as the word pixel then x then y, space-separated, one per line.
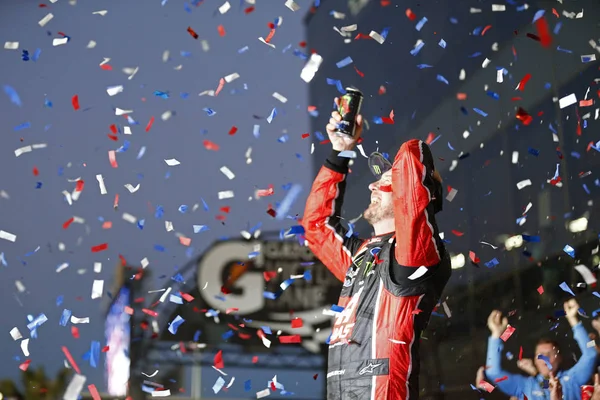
pixel 345 320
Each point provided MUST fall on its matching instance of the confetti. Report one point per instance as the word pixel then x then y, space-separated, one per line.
pixel 8 236
pixel 172 162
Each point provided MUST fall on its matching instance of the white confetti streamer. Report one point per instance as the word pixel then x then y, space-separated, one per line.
pixel 11 45
pixel 59 41
pixel 76 320
pixel 97 288
pixel 46 19
pixel 100 180
pixel 15 334
pixel 25 347
pixel 226 194
pixel 7 236
pixel 172 162
pixel 227 172
pixel 131 188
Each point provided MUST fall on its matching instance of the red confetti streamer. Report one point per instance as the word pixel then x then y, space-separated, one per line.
pixel 112 158
pixel 385 3
pixel 36 172
pixel 586 103
pixel 362 36
pixel 79 185
pixel 221 86
pixel 520 352
pixel 430 138
pixel 75 332
pixel 233 130
pixel 507 333
pixel 113 137
pixel 100 247
pixel 268 275
pixel 381 90
pixel 290 339
pixel 68 222
pixel 555 13
pixel 523 116
pixel 208 145
pixel 192 32
pixel 297 323
pixel 540 290
pixel 149 126
pixel 361 74
pixel 70 359
pixel 302 44
pixel 544 31
pixel 186 296
pixel 248 10
pixel 221 30
pixel 23 367
pixel 116 202
pixel 113 129
pixel 105 349
pixel 521 85
pixel 231 310
pixel 487 28
pixel 218 360
pixel 42 5
pixel 461 96
pixel 271 34
pixel 411 15
pixel 487 386
pixel 473 257
pixel 106 67
pixel 75 102
pixel 457 233
pixel 254 359
pixel 151 313
pixel 94 392
pixel 497 380
pixel 305 135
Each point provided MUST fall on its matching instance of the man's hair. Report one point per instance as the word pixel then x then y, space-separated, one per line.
pixel 553 342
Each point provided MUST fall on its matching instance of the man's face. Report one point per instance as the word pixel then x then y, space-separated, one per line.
pixel 548 350
pixel 381 206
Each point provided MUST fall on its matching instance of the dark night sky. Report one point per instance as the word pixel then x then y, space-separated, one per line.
pixel 132 34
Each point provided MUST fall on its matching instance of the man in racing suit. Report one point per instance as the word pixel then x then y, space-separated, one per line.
pixel 391 281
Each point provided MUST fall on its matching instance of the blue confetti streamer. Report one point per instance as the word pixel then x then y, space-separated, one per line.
pixel 36 55
pixel 557 28
pixel 248 385
pixel 423 66
pixel 531 239
pixel 24 125
pixel 493 95
pixel 421 23
pixel 480 112
pixel 492 263
pixel 477 31
pixel 385 32
pixel 569 250
pixel 288 201
pixel 59 299
pixel 243 49
pixel 183 208
pixel 94 354
pixel 346 61
pixel 272 115
pixel 64 318
pixel 442 43
pixel 338 85
pixel 209 111
pixel 417 48
pixel 13 95
pixel 539 14
pixel 450 146
pixel 566 288
pixel 204 204
pixel 175 324
pixel 442 79
pixel 164 95
pixel 533 151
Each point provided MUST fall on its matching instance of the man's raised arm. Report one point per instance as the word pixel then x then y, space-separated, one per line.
pixel 323 229
pixel 583 370
pixel 414 188
pixel 326 236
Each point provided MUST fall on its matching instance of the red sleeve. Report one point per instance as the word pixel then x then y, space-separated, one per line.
pixel 323 229
pixel 417 236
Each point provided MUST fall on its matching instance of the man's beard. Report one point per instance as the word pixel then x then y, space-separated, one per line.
pixel 375 213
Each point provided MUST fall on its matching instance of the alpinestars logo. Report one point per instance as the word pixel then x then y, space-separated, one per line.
pixel 369 368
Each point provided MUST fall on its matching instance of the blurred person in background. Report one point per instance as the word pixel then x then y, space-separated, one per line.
pixel 526 365
pixel 548 359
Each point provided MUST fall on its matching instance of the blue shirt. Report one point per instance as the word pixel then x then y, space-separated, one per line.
pixel 532 386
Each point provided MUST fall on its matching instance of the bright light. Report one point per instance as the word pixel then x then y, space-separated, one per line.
pixel 457 261
pixel 578 225
pixel 513 242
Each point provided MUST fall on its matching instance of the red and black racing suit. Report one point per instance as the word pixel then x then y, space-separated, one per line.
pixel 373 348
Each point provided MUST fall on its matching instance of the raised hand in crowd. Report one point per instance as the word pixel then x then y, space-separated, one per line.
pixel 555 388
pixel 527 365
